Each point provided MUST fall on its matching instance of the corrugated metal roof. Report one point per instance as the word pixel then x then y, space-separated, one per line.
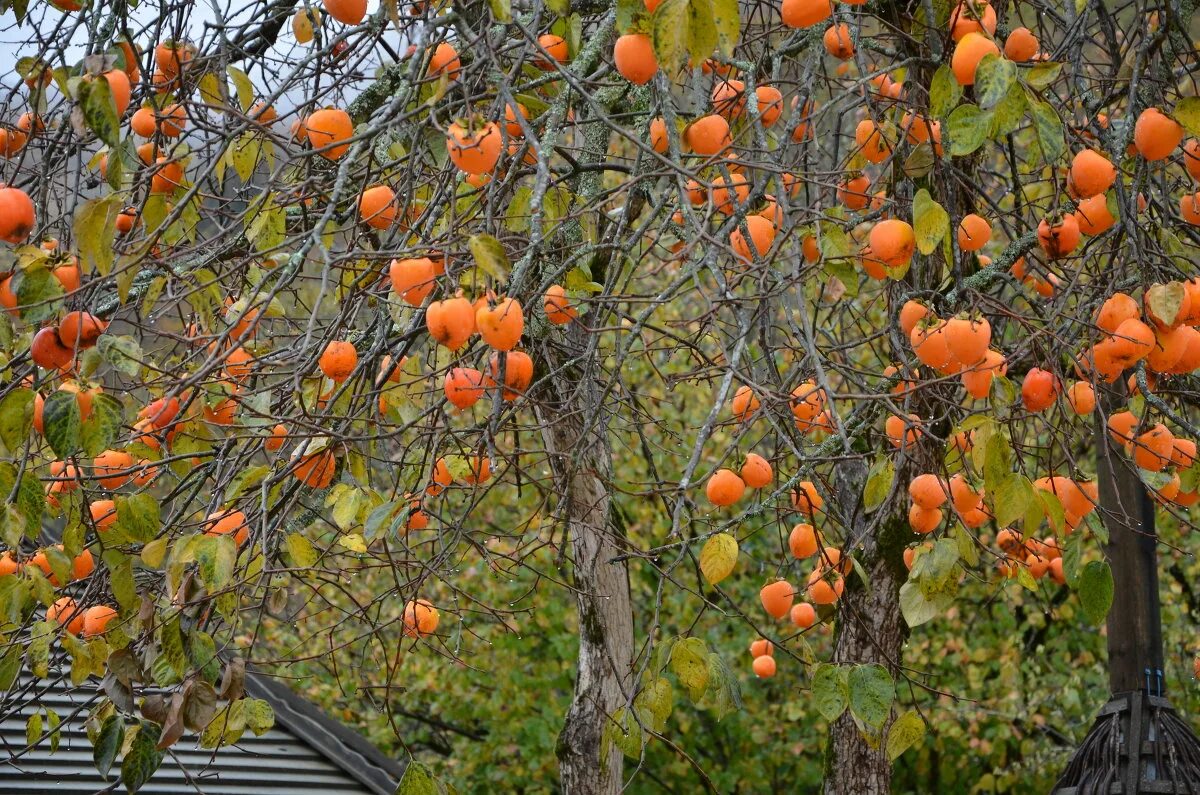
pixel 306 752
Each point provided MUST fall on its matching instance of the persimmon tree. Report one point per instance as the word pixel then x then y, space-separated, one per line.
pixel 853 300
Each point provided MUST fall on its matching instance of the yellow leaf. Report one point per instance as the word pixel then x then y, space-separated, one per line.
pixel 718 557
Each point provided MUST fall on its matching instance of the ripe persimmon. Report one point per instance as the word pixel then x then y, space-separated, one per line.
pixel 348 12
pixel 557 306
pixel 16 216
pixel 924 520
pixel 745 403
pixel 764 667
pixel 444 60
pixel 96 620
pixel 802 541
pixel 972 16
pixel 756 471
pixel 501 325
pixel 1039 390
pixel 970 50
pixel 316 470
pixel 973 232
pixel 474 151
pixel 66 613
pixel 518 373
pixel 1093 216
pixel 708 135
pixel 839 41
pixel 1058 237
pixel 451 322
pixel 806 498
pixel 48 352
pixel 412 279
pixel 893 242
pixel 420 619
pixel 556 48
pixel 777 598
pixel 724 488
pixel 1021 45
pixel 1155 134
pixel 762 235
pixel 338 360
pixel 229 521
pixel 805 13
pixel 633 55
pixel 872 143
pixel 968 338
pixel 1091 173
pixel 327 129
pixel 463 387
pixel 377 207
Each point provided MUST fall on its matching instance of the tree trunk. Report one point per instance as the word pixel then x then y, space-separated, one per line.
pixel 1134 622
pixel 870 629
pixel 575 431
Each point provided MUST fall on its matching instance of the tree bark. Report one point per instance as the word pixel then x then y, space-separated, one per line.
pixel 575 432
pixel 870 629
pixel 1134 622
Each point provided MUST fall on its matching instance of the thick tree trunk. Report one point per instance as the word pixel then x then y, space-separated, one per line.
pixel 575 431
pixel 870 629
pixel 1134 623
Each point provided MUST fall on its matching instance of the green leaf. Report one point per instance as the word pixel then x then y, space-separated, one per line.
pixel 124 587
pixel 654 703
pixel 1012 497
pixel 501 10
pixel 139 516
pixel 39 294
pixel 266 224
pixel 930 222
pixel 216 556
pixel 60 423
pixel 100 110
pixel 172 646
pixel 718 557
pixel 143 758
pixel 944 92
pixel 1008 116
pixel 10 666
pixel 1187 113
pixel 16 418
pixel 1096 590
pixel 700 31
pixel 879 482
pixel 831 690
pixel 1049 129
pixel 669 33
pixel 489 256
pixel 1041 75
pixel 33 729
pixel 243 154
pixel 872 692
pixel 95 229
pixel 108 744
pixel 919 609
pixel 299 551
pixel 993 78
pixel 728 21
pixel 689 662
pixel 905 732
pixel 418 780
pixel 259 716
pixel 967 129
pixel 245 480
pixel 98 432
